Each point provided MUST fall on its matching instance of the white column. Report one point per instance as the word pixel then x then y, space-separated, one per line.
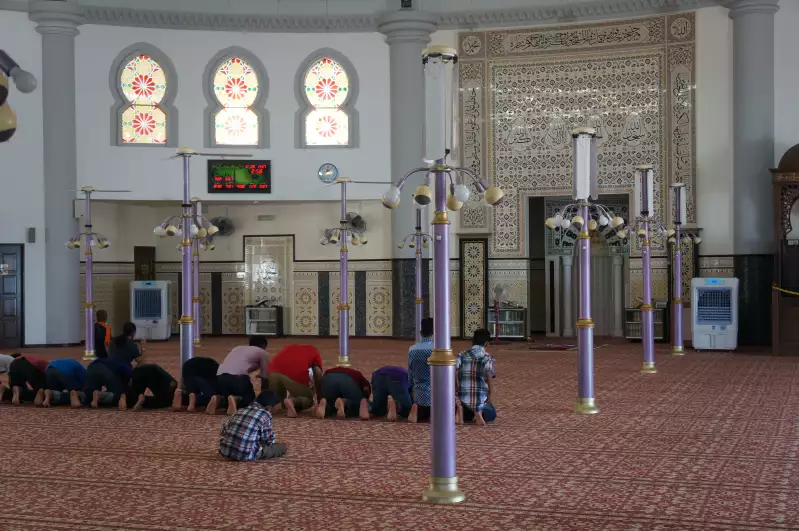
pixel 568 320
pixel 58 22
pixel 618 295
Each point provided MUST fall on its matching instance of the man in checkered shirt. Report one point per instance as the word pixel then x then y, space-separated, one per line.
pixel 248 434
pixel 475 371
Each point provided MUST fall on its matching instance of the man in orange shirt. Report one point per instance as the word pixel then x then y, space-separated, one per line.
pixel 291 371
pixel 102 335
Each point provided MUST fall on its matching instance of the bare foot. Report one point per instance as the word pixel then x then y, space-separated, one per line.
pixel 192 403
pixel 212 405
pixel 74 401
pixel 231 405
pixel 321 409
pixel 39 399
pixel 363 410
pixel 177 400
pixel 291 411
pixel 478 418
pixel 458 412
pixel 392 410
pixel 414 414
pixel 139 403
pixel 123 402
pixel 15 395
pixel 48 397
pixel 340 413
pixel 96 399
pixel 2 390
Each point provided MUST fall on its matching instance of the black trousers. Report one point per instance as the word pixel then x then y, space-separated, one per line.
pixel 98 376
pixel 198 380
pixel 21 372
pixel 160 383
pixel 58 381
pixel 236 385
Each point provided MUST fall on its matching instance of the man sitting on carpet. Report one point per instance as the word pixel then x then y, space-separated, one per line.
pixel 419 373
pixel 233 376
pixel 248 434
pixel 198 382
pixel 475 371
pixel 296 370
pixel 390 391
pixel 345 393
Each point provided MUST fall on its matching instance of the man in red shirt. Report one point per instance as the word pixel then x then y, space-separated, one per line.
pixel 26 379
pixel 348 390
pixel 291 372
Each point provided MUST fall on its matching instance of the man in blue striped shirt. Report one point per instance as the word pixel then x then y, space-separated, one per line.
pixel 419 373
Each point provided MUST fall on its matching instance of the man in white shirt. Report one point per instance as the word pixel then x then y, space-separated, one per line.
pixel 5 362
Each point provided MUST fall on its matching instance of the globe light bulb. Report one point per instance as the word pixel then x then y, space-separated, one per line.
pixel 617 222
pixel 411 244
pixel 425 244
pixel 202 233
pixel 641 232
pixel 170 230
pixel 159 231
pixel 364 241
pixel 212 230
pixel 697 240
pixel 179 233
pixel 210 247
pixel 550 223
pixel 323 240
pixel 400 245
pixel 671 232
pixel 603 221
pixel 592 224
pixel 578 221
pixel 462 193
pixel 193 230
pixel 672 240
pixel 565 223
pixel 356 240
pixel 391 198
pixel 621 234
pixel 557 219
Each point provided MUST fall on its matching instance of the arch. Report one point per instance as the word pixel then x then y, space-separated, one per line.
pixel 343 107
pixel 162 120
pixel 247 110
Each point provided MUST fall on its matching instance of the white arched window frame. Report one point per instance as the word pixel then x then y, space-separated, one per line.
pixel 327 117
pixel 144 85
pixel 236 86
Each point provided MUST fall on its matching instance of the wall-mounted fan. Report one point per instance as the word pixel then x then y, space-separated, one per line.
pixel 356 222
pixel 225 226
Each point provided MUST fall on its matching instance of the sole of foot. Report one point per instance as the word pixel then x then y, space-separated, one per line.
pixel 363 410
pixel 139 403
pixel 231 405
pixel 123 403
pixel 177 400
pixel 48 397
pixel 2 390
pixel 95 399
pixel 291 411
pixel 212 405
pixel 414 414
pixel 320 409
pixel 39 399
pixel 192 403
pixel 392 410
pixel 478 419
pixel 74 401
pixel 340 413
pixel 458 413
pixel 15 396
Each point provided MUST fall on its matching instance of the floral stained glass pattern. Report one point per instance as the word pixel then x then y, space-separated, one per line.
pixel 326 88
pixel 236 88
pixel 144 85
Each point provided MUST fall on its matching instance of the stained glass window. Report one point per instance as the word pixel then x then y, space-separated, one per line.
pixel 236 88
pixel 326 88
pixel 144 84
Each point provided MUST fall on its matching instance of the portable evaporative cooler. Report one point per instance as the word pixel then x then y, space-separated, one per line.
pixel 150 308
pixel 714 311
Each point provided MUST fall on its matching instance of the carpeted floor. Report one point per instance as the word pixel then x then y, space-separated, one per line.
pixel 710 442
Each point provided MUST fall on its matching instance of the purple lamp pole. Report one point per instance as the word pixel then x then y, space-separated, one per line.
pixel 192 227
pixel 340 235
pixel 196 210
pixel 585 217
pixel 419 240
pixel 443 481
pixel 679 216
pixel 644 195
pixel 90 239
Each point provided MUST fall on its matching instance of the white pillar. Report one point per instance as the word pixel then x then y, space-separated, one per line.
pixel 58 22
pixel 568 320
pixel 618 296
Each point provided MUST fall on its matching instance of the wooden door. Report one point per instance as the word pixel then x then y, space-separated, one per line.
pixel 144 263
pixel 11 325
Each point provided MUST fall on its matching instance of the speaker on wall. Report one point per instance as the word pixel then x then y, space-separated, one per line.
pixel 31 235
pixel 406 4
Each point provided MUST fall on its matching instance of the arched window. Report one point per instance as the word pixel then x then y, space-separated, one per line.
pixel 145 84
pixel 327 87
pixel 236 86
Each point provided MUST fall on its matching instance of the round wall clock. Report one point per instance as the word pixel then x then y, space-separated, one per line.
pixel 328 173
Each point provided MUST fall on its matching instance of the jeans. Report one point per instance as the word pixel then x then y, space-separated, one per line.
pixel 21 372
pixel 238 385
pixel 384 386
pixel 337 385
pixel 281 385
pixel 489 412
pixel 58 381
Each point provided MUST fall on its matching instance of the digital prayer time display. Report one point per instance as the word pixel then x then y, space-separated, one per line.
pixel 239 176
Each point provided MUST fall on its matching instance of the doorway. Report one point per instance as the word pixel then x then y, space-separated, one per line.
pixel 11 293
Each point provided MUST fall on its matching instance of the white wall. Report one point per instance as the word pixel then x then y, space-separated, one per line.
pixel 22 204
pixel 131 224
pixel 145 171
pixel 786 78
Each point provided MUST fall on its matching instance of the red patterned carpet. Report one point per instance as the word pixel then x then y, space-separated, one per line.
pixel 710 442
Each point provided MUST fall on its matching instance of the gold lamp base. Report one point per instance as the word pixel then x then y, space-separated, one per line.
pixel 443 490
pixel 678 351
pixel 343 361
pixel 88 355
pixel 648 368
pixel 586 406
pixel 196 342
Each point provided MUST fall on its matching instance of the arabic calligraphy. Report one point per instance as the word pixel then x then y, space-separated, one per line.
pixel 681 134
pixel 472 124
pixel 681 28
pixel 634 131
pixel 558 134
pixel 519 135
pixel 577 38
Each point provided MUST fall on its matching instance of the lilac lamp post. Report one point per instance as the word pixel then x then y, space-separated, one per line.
pixel 419 240
pixel 200 241
pixel 188 226
pixel 443 481
pixel 676 238
pixel 585 217
pixel 90 239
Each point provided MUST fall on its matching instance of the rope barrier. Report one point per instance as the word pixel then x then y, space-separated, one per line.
pixel 789 292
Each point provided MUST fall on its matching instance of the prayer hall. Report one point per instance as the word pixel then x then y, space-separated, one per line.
pixel 391 264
